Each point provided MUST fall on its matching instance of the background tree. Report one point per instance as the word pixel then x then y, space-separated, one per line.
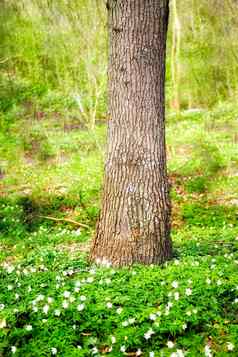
pixel 134 224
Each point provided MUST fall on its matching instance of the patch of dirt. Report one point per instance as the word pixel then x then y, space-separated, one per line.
pixel 11 259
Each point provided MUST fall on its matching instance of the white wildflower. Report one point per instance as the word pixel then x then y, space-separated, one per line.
pixel 113 339
pixel 28 327
pixel 13 349
pixel 46 309
pixel 176 295
pixel 90 279
pixel 66 294
pixel 188 292
pixel 138 352
pixel 109 305
pixel 175 284
pixel 40 297
pixel 170 344
pixel 80 307
pixel 57 312
pixel 83 298
pixel 230 346
pixel 207 351
pixel 10 269
pixel 123 349
pixel 153 317
pixel 178 353
pixel 148 334
pixel 65 304
pixel 119 310
pixel 131 320
pixel 54 351
pixel 94 350
pixel 3 323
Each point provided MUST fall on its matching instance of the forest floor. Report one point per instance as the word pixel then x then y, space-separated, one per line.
pixel 53 302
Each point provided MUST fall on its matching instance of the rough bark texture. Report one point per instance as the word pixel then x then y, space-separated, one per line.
pixel 134 224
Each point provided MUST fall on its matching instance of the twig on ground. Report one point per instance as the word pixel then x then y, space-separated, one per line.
pixel 66 220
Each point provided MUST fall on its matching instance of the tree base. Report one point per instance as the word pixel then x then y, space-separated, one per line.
pixel 118 252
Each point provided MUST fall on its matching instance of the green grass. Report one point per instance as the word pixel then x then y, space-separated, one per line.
pixel 43 257
pixel 148 297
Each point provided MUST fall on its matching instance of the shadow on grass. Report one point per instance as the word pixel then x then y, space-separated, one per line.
pixel 26 213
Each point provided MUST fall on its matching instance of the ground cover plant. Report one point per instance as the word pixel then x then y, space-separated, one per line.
pixel 53 305
pixel 54 302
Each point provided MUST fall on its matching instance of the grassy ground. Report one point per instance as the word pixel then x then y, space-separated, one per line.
pixel 53 302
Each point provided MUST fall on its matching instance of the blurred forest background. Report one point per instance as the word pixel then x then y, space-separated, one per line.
pixel 59 49
pixel 53 101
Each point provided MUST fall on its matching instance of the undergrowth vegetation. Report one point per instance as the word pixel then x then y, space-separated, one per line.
pixel 53 302
pixel 52 144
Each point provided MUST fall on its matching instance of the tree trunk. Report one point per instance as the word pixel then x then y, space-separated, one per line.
pixel 134 224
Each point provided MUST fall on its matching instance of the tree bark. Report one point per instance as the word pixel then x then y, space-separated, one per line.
pixel 134 224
